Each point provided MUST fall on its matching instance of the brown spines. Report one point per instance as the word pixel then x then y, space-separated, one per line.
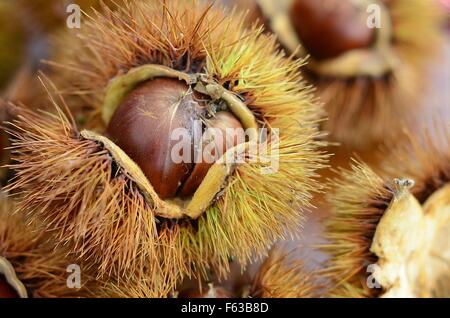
pixel 283 276
pixel 94 202
pixel 39 262
pixel 422 157
pixel 358 201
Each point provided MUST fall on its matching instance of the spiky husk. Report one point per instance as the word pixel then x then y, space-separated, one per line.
pixel 87 198
pixel 373 106
pixel 141 286
pixel 38 264
pixel 280 276
pixel 361 196
pixel 424 158
pixel 358 202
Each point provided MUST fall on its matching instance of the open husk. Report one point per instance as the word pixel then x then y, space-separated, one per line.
pixel 78 182
pixel 384 241
pixel 367 90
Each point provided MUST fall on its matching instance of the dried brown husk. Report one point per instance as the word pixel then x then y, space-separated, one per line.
pixel 283 276
pixel 39 265
pixel 383 224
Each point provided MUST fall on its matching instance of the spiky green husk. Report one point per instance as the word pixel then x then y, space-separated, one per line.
pixel 39 264
pixel 77 186
pixel 358 201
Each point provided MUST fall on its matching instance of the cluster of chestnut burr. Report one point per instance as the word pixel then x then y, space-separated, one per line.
pixel 129 149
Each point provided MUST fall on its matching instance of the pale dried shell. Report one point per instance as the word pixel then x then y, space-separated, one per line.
pixel 413 246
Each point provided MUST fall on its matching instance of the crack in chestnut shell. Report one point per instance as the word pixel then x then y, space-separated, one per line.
pixel 6 290
pixel 142 127
pixel 230 138
pixel 330 28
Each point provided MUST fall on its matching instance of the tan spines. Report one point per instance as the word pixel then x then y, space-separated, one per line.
pixel 51 15
pixel 377 103
pixel 424 157
pixel 76 188
pixel 141 286
pixel 78 180
pixel 358 202
pixel 92 205
pixel 281 276
pixel 357 104
pixel 39 264
pixel 115 41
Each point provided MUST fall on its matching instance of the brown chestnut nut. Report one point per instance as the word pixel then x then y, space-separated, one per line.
pixel 330 28
pixel 157 123
pixel 225 132
pixel 6 291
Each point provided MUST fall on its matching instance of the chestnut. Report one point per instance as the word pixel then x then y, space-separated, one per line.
pixel 6 290
pixel 330 28
pixel 145 127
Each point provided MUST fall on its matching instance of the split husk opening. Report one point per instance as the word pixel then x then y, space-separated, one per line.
pixel 215 179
